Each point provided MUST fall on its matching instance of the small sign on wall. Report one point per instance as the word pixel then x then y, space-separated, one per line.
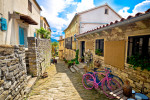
pixel 3 22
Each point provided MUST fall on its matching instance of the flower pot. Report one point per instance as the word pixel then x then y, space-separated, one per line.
pixel 80 60
pixel 97 63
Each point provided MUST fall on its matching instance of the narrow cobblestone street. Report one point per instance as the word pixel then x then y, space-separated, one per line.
pixel 62 84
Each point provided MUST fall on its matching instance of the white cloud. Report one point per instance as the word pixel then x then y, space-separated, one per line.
pixel 55 37
pixel 84 5
pixel 52 8
pixel 141 7
pixel 124 12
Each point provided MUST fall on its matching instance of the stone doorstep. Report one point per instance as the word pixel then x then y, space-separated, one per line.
pixel 72 69
pixel 76 68
pixel 81 65
pixel 30 84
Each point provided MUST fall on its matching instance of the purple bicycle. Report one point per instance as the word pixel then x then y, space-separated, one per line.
pixel 96 80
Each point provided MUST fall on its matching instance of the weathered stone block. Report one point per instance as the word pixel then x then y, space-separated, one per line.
pixel 140 78
pixel 9 97
pixel 138 85
pixel 124 74
pixel 12 68
pixel 1 90
pixel 2 57
pixel 7 84
pixel 16 71
pixel 147 85
pixel 4 68
pixel 9 76
pixel 4 95
pixel 134 78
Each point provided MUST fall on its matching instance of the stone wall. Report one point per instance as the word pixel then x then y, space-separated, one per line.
pixel 38 55
pixel 12 72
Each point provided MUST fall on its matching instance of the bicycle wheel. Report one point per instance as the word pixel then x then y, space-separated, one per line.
pixel 110 85
pixel 88 81
pixel 118 79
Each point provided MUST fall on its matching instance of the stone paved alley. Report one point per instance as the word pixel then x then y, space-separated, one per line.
pixel 62 84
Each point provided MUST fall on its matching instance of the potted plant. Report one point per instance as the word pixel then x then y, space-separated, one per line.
pixel 66 61
pixel 97 63
pixel 80 59
pixel 70 63
pixel 99 52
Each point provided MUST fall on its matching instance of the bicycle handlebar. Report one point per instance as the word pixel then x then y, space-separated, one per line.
pixel 107 69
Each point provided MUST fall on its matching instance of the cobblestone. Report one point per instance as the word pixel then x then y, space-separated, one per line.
pixel 62 84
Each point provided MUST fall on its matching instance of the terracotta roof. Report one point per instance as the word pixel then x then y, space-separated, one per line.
pixel 117 21
pixel 60 40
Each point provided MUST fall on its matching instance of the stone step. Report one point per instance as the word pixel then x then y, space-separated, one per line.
pixel 76 68
pixel 72 69
pixel 30 83
pixel 81 65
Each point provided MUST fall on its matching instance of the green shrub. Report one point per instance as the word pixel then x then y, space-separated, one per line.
pixel 139 61
pixel 70 63
pixel 99 52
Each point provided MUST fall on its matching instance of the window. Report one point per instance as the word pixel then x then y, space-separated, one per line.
pixel 68 43
pixel 29 6
pixel 139 45
pixel 106 11
pixel 60 44
pixel 99 50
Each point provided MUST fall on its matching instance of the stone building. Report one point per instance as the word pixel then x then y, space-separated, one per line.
pixel 44 23
pixel 23 18
pixel 83 21
pixel 119 40
pixel 61 47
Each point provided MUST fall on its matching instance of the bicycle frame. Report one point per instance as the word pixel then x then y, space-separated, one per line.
pixel 100 81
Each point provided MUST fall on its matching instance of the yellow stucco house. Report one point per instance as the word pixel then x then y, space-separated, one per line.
pixel 61 48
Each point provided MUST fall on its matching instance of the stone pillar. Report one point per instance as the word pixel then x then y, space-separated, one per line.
pixel 32 56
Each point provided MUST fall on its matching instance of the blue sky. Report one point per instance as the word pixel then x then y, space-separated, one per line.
pixel 59 13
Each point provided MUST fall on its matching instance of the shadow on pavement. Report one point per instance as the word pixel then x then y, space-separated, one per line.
pixel 76 79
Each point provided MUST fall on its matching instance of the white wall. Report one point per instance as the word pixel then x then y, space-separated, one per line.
pixel 11 36
pixel 96 16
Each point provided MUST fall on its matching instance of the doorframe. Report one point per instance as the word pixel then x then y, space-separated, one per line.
pixel 81 47
pixel 25 36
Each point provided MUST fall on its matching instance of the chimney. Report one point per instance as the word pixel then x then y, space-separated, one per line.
pixel 61 37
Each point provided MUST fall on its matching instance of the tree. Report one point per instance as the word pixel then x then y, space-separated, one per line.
pixel 54 47
pixel 43 33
